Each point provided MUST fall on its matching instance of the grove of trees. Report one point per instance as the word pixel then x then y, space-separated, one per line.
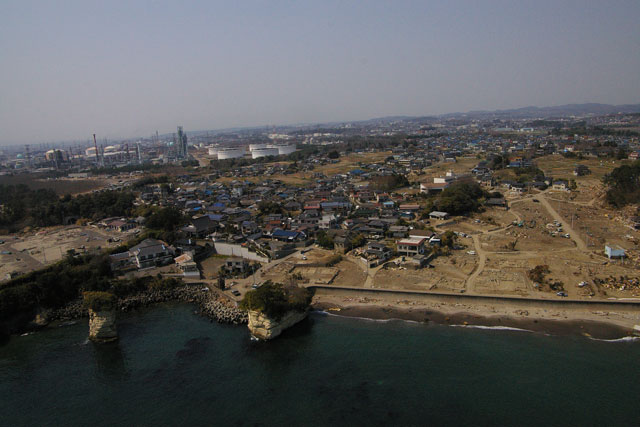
pixel 624 185
pixel 22 206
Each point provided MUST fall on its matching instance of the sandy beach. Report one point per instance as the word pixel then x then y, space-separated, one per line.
pixel 564 321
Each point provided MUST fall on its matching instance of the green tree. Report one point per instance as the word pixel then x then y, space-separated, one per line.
pixel 448 239
pixel 165 219
pixel 324 240
pixel 623 185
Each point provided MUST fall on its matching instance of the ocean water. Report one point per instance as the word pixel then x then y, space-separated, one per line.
pixel 173 367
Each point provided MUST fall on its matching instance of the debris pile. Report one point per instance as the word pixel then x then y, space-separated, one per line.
pixel 621 283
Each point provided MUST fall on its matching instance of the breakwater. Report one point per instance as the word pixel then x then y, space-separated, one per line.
pixel 209 304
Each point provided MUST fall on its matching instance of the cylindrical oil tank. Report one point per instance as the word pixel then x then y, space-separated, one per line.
pixel 257 147
pixel 230 153
pixel 264 152
pixel 286 149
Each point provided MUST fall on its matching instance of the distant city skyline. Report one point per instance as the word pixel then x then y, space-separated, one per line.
pixel 123 70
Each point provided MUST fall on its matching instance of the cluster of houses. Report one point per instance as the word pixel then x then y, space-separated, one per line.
pixel 272 219
pixel 269 220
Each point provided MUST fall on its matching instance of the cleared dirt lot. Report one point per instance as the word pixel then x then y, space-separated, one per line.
pixel 502 281
pixel 211 265
pixel 444 276
pixel 491 219
pixel 32 251
pixel 317 275
pixel 560 167
pixel 535 233
pixel 596 226
pixel 60 185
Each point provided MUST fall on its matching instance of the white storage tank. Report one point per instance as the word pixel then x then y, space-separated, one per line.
pixel 230 153
pixel 257 147
pixel 264 152
pixel 286 149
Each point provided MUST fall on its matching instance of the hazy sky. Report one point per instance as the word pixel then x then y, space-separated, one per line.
pixel 127 68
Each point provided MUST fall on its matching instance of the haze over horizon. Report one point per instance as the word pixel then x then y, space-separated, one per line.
pixel 122 70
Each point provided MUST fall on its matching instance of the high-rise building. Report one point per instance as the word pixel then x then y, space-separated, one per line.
pixel 181 144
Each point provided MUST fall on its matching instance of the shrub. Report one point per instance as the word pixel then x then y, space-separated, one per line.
pixel 165 284
pixel 537 273
pixel 274 300
pixel 99 301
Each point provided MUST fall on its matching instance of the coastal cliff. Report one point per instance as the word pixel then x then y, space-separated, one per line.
pixel 265 328
pixel 102 325
pixel 102 316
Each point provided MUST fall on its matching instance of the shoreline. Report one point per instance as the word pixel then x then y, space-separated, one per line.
pixel 208 303
pixel 571 325
pixel 595 325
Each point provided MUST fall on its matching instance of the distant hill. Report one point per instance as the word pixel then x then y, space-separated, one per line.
pixel 559 110
pixel 530 112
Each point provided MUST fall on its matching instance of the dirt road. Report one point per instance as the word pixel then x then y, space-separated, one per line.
pixel 574 236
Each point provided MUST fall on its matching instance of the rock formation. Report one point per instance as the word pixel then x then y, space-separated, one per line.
pixel 102 316
pixel 102 325
pixel 265 328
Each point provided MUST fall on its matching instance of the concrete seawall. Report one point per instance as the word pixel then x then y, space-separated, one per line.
pixel 488 299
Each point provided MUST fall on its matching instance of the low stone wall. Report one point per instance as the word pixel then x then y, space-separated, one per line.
pixel 265 328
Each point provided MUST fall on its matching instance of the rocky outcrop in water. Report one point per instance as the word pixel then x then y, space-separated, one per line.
pixel 265 328
pixel 102 326
pixel 209 304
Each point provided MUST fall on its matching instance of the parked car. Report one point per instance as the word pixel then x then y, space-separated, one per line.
pixel 235 292
pixel 562 294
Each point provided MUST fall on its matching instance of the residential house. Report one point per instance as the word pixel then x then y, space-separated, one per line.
pixel 187 265
pixel 411 246
pixel 561 185
pixel 438 215
pixel 151 253
pixel 235 265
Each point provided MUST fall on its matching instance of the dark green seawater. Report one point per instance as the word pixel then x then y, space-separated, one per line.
pixel 172 367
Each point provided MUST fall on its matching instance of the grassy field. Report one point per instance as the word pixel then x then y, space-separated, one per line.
pixel 61 185
pixel 351 161
pixel 297 179
pixel 558 166
pixel 344 165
